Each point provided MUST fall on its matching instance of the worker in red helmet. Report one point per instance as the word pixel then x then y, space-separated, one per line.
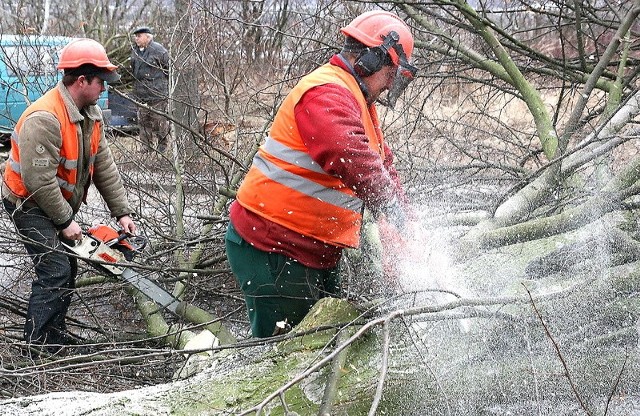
pixel 325 160
pixel 58 148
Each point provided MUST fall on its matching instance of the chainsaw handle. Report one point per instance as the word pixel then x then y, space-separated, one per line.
pixel 115 241
pixel 135 241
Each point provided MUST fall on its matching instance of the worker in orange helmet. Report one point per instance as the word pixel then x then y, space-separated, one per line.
pixel 58 148
pixel 324 161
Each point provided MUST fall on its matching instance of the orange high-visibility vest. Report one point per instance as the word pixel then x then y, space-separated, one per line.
pixel 285 186
pixel 67 171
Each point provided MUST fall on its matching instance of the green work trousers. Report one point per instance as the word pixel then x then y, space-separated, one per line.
pixel 275 287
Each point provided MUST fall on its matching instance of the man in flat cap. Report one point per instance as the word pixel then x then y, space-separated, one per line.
pixel 150 69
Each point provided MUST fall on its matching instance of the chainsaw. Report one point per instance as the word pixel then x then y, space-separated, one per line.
pixel 106 249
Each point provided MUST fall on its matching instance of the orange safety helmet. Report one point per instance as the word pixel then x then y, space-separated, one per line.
pixel 371 28
pixel 84 51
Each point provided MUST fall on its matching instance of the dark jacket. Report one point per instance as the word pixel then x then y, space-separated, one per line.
pixel 150 68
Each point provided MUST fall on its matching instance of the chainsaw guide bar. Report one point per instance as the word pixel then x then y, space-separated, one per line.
pixel 100 255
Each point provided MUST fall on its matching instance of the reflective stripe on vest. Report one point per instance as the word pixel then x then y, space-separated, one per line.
pixel 295 157
pixel 66 174
pixel 284 185
pixel 299 183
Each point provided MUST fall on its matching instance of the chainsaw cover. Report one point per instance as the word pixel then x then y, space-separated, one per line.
pixel 127 244
pixel 92 249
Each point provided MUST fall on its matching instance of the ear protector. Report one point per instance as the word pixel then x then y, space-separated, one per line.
pixel 361 84
pixel 371 60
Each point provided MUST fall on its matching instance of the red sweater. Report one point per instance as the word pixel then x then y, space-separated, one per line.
pixel 328 118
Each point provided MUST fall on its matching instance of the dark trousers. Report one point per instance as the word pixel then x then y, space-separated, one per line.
pixel 276 287
pixel 51 291
pixel 154 128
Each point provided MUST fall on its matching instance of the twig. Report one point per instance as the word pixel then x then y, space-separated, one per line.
pixel 331 388
pixel 383 370
pixel 558 353
pixel 615 386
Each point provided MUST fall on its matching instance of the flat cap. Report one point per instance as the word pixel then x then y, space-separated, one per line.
pixel 142 29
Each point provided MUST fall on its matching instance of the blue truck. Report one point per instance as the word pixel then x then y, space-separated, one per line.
pixel 27 71
pixel 124 117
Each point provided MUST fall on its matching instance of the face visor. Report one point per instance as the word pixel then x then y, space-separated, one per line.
pixel 404 75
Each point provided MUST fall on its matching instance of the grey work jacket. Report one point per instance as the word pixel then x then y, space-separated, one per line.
pixel 150 68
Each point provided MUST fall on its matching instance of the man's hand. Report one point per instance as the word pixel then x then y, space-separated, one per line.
pixel 72 232
pixel 127 225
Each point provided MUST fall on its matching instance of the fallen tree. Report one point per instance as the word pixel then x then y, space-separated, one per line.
pixel 530 350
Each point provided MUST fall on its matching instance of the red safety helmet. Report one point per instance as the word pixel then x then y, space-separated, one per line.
pixel 371 28
pixel 84 51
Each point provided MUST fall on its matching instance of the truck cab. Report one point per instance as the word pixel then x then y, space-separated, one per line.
pixel 27 71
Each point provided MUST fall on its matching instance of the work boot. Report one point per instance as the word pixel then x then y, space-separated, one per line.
pixel 53 351
pixel 42 351
pixel 55 341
